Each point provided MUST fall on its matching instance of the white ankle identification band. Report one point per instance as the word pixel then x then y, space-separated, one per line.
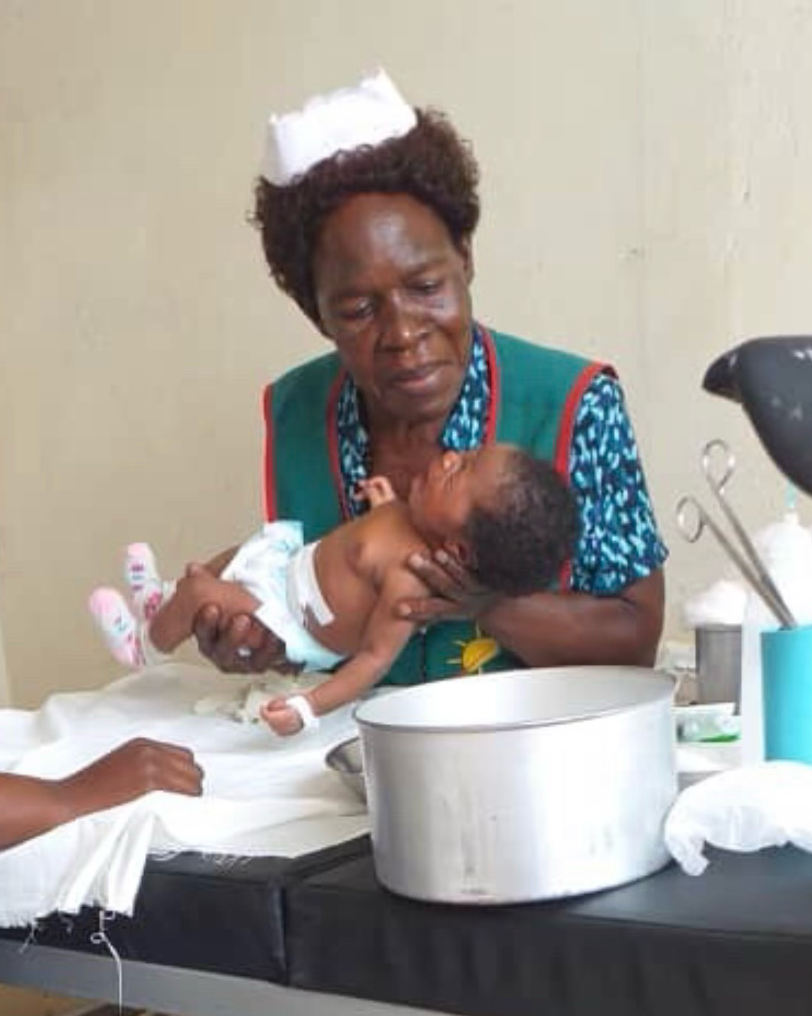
pixel 309 719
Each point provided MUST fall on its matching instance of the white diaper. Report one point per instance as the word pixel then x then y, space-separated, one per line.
pixel 303 590
pixel 276 568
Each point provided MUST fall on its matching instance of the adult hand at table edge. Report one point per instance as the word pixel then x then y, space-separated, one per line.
pixel 30 806
pixel 136 767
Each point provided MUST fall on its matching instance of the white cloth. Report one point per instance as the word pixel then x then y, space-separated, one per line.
pixel 276 568
pixel 262 794
pixel 764 805
pixel 364 114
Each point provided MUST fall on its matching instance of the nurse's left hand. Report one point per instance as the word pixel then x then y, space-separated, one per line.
pixel 454 592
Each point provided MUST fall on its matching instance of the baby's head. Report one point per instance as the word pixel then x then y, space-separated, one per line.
pixel 508 517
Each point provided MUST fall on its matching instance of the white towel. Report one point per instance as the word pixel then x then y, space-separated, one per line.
pixel 768 804
pixel 262 794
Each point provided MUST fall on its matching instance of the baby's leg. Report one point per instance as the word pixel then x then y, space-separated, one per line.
pixel 147 590
pixel 118 626
pixel 174 622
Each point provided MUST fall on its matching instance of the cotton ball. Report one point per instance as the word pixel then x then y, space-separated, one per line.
pixel 722 603
pixel 785 547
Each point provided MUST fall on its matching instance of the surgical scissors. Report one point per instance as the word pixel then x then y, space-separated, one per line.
pixel 692 519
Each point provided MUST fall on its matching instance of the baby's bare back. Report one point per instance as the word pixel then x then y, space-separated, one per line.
pixel 351 563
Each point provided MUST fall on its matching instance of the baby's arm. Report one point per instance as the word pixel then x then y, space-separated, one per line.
pixel 384 637
pixel 174 622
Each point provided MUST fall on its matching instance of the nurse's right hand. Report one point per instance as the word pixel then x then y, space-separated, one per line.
pixel 240 646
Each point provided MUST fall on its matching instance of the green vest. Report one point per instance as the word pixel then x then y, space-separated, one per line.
pixel 535 394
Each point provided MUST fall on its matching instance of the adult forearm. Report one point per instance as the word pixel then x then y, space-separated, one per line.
pixel 564 629
pixel 28 807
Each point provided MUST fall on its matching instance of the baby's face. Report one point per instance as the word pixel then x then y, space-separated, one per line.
pixel 442 497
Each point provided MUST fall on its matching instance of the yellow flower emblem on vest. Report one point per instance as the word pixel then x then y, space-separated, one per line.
pixel 475 653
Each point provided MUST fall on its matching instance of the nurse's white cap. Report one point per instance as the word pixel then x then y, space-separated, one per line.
pixel 364 114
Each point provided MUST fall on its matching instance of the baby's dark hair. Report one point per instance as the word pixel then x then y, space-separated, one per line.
pixel 523 535
pixel 431 164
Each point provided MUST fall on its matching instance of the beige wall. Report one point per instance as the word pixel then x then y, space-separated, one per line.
pixel 646 200
pixel 5 687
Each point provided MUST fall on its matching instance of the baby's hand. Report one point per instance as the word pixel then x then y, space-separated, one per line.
pixel 377 490
pixel 280 717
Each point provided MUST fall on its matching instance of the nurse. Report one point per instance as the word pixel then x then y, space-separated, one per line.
pixel 367 209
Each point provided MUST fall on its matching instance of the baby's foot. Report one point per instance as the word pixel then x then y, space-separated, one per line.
pixel 118 626
pixel 143 580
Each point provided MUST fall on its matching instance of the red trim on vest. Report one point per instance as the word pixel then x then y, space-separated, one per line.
pixel 331 423
pixel 496 385
pixel 269 484
pixel 563 441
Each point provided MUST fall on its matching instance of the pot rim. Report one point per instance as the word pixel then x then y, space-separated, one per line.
pixel 661 686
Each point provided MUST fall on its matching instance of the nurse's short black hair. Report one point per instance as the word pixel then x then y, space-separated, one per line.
pixel 522 536
pixel 431 163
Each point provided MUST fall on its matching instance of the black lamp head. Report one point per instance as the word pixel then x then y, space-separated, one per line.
pixel 772 380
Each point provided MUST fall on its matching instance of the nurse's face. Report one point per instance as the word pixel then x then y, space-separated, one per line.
pixel 393 295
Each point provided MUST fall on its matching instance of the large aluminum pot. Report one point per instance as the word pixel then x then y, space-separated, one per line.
pixel 521 785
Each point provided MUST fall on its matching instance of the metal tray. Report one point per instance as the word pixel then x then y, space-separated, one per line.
pixel 345 759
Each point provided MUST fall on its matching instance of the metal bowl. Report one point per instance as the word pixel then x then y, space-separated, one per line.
pixel 345 759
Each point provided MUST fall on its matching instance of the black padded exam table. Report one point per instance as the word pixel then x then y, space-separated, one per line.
pixel 318 935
